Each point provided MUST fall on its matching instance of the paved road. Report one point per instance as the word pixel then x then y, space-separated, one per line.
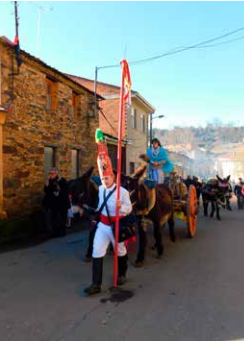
pixel 195 293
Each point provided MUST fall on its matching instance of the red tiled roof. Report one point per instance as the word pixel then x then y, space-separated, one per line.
pixel 90 84
pixel 105 89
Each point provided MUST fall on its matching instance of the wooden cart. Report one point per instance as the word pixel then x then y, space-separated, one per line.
pixel 186 209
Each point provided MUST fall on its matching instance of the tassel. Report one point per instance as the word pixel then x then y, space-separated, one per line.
pixel 130 243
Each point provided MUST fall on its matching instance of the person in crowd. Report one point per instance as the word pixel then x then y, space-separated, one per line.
pixel 159 163
pixel 188 181
pixel 238 193
pixel 242 190
pixel 198 186
pixel 177 186
pixel 104 232
pixel 56 203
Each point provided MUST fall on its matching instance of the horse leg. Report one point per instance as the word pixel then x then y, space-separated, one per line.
pixel 217 211
pixel 213 210
pixel 171 224
pixel 142 243
pixel 157 231
pixel 228 204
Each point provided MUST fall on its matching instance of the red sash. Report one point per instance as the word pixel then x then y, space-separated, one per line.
pixel 106 221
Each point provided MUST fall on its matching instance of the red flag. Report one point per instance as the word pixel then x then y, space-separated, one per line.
pixel 127 80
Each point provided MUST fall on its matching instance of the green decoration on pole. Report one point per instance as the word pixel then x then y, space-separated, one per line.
pixel 99 136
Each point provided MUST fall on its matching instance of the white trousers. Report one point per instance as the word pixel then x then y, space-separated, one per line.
pixel 104 235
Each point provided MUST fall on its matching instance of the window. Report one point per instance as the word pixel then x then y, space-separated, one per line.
pixel 51 94
pixel 49 159
pixel 74 163
pixel 75 102
pixel 133 118
pixel 143 123
pixel 132 168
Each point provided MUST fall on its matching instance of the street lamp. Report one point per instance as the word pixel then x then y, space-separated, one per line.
pixel 150 130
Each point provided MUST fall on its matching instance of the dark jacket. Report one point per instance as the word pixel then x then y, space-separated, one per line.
pixel 237 190
pixel 56 194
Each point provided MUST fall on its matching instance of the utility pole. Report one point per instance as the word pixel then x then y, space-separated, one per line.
pixel 151 130
pixel 16 39
pixel 16 19
pixel 95 82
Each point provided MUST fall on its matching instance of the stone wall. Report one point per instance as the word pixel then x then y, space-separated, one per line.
pixel 29 126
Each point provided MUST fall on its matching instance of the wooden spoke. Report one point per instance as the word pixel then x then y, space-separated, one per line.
pixel 192 209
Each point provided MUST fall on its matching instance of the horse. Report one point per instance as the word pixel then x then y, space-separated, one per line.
pixel 154 203
pixel 217 192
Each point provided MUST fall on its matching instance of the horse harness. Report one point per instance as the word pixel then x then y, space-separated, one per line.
pixel 149 194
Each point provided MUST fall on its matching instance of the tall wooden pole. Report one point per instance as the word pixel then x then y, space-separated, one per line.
pixel 120 131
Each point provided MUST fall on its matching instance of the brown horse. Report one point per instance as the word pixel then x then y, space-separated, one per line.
pixel 156 204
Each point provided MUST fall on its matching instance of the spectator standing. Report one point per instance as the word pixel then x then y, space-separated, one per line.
pixel 56 203
pixel 238 192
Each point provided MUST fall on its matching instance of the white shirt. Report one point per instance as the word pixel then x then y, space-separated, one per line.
pixel 126 207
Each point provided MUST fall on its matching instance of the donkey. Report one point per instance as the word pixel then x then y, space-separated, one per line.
pixel 83 191
pixel 155 204
pixel 217 192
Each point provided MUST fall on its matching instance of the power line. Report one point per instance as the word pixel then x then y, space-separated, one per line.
pixel 202 44
pixel 223 42
pixel 107 120
pixel 187 47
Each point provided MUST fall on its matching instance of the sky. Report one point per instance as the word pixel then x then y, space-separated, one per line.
pixel 194 87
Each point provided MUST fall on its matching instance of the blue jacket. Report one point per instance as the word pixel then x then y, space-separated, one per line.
pixel 161 156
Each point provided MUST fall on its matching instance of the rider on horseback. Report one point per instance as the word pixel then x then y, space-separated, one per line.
pixel 158 162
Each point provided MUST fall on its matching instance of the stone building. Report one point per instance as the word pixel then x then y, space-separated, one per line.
pixel 135 124
pixel 46 119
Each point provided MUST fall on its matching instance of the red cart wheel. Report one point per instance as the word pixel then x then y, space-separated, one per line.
pixel 192 209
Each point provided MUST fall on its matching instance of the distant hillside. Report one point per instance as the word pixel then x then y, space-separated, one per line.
pixel 207 137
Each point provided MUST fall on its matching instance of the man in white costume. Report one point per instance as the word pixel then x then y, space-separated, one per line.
pixel 104 233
